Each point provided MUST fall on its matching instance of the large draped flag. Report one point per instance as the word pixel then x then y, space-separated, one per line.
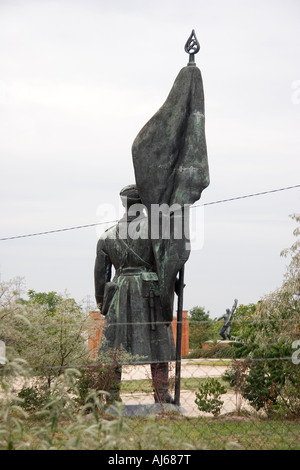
pixel 171 170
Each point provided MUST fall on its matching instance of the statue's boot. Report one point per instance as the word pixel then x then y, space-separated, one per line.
pixel 160 382
pixel 115 386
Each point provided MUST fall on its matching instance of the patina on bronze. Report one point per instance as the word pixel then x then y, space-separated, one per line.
pixel 130 301
pixel 171 168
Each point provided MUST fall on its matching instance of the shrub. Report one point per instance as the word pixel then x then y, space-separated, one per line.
pixel 208 396
pixel 236 375
pixel 33 398
pixel 222 351
pixel 261 389
pixel 59 424
pixel 216 350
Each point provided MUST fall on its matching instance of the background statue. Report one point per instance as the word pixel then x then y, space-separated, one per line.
pixel 226 328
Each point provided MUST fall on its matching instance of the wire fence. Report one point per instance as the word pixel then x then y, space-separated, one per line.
pixel 213 411
pixel 236 425
pixel 208 402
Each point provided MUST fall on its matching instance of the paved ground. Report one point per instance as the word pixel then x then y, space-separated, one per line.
pixel 187 402
pixel 189 368
pixel 187 398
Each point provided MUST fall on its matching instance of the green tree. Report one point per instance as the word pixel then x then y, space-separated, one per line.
pixel 48 330
pixel 242 318
pixel 269 340
pixel 50 300
pixel 200 327
pixel 57 335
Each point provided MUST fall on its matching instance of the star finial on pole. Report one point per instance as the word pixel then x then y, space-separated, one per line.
pixel 192 46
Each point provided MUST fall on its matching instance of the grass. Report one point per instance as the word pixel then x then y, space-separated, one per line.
pixel 145 385
pixel 211 363
pixel 175 431
pixel 168 431
pixel 215 434
pixel 172 431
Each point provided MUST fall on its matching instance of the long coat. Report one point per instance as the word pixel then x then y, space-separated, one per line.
pixel 134 319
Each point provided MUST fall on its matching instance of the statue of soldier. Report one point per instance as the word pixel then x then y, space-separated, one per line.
pixel 226 328
pixel 170 162
pixel 131 302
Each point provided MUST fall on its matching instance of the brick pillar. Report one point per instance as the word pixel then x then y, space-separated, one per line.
pixel 185 332
pixel 95 332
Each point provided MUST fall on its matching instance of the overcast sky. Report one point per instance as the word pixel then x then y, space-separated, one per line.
pixel 79 79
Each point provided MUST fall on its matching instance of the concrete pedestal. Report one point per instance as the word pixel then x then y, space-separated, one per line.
pixel 143 410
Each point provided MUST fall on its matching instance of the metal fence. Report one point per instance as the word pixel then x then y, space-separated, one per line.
pixel 237 425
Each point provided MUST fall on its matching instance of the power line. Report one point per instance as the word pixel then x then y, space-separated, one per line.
pixel 114 221
pixel 246 196
pixel 57 230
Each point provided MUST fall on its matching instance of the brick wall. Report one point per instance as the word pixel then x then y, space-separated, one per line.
pixel 185 332
pixel 95 332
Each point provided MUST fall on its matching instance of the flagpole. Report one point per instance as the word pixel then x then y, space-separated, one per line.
pixel 179 337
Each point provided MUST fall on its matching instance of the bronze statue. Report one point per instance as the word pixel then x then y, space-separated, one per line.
pixel 171 170
pixel 130 302
pixel 226 327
